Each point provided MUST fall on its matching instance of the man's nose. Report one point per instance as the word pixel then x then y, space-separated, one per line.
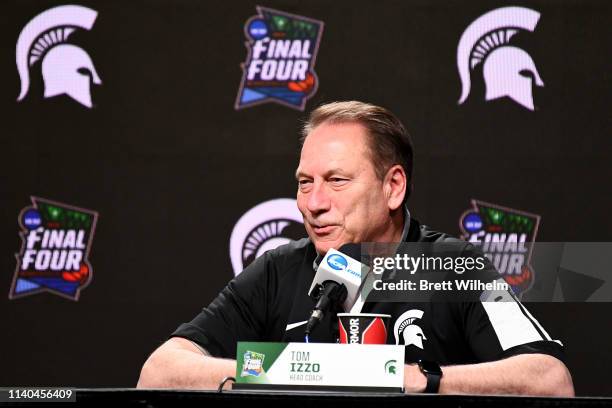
pixel 318 199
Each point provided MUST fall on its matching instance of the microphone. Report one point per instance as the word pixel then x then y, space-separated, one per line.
pixel 336 284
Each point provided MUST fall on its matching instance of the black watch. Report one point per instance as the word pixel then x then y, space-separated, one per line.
pixel 433 372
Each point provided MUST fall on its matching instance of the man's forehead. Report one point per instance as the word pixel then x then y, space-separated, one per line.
pixel 333 162
pixel 335 140
pixel 327 172
pixel 334 146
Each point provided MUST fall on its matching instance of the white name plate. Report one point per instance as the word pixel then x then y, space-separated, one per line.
pixel 320 366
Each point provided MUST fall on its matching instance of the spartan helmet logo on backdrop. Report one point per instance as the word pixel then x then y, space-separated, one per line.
pixel 266 226
pixel 44 39
pixel 486 41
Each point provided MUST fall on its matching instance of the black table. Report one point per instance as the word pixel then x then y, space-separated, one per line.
pixel 176 398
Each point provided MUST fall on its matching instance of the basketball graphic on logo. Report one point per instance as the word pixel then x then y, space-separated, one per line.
pixel 302 86
pixel 522 281
pixel 77 276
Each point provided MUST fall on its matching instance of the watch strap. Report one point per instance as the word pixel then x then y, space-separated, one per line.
pixel 433 373
pixel 433 383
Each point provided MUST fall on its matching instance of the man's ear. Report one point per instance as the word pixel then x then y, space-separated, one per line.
pixel 395 183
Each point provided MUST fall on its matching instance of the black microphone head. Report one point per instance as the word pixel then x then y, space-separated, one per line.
pixel 351 249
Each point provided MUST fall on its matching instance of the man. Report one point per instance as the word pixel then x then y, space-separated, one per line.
pixel 354 178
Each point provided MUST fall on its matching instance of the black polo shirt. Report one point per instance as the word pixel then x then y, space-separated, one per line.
pixel 269 301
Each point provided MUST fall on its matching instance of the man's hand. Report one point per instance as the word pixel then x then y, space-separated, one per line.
pixel 525 374
pixel 179 363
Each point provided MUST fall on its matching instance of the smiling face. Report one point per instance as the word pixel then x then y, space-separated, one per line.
pixel 339 194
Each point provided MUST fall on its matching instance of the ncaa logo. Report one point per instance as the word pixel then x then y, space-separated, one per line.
pixel 266 226
pixel 337 262
pixel 472 222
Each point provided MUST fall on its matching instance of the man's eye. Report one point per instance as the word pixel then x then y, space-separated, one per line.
pixel 338 181
pixel 304 184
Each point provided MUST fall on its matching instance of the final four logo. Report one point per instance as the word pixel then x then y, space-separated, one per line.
pixel 506 237
pixel 282 49
pixel 252 364
pixel 56 239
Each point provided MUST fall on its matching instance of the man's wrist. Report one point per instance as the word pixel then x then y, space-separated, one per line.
pixel 433 372
pixel 414 380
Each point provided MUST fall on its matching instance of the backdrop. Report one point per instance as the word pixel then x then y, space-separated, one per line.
pixel 139 127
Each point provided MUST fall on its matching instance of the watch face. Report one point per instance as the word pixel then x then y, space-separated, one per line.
pixel 430 367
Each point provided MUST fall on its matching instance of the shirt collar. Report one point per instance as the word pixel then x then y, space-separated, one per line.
pixel 317 261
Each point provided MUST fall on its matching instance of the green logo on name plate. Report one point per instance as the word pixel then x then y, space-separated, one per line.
pixel 390 367
pixel 257 359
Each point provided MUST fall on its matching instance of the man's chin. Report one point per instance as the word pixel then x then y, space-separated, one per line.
pixel 323 247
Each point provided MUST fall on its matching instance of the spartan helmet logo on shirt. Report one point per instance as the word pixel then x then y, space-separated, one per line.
pixel 406 330
pixel 265 226
pixel 486 41
pixel 44 39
